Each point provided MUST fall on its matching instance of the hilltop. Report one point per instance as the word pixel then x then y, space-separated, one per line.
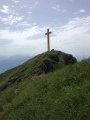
pixel 50 86
pixel 41 64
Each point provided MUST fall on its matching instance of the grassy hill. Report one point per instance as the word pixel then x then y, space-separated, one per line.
pixel 51 86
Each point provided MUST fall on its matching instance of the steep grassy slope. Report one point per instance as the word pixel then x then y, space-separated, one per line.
pixel 63 94
pixel 41 64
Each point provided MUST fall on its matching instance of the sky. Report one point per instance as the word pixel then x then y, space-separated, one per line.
pixel 23 24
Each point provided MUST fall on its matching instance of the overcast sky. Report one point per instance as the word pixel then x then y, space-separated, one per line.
pixel 23 24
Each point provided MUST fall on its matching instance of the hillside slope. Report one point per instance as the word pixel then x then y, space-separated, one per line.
pixel 63 94
pixel 41 64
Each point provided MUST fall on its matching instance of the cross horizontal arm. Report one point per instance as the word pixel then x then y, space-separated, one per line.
pixel 48 33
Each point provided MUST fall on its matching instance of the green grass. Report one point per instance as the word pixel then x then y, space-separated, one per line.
pixel 41 64
pixel 63 94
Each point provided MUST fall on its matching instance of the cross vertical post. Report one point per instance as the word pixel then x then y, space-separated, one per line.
pixel 48 39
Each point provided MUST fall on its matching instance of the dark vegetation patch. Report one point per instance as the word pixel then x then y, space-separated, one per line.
pixel 48 61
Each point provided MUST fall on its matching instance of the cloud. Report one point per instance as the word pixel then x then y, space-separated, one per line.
pixel 17 36
pixel 25 23
pixel 5 9
pixel 30 4
pixel 73 37
pixel 11 16
pixel 22 42
pixel 15 1
pixel 11 19
pixel 56 7
pixel 15 14
pixel 5 42
pixel 81 11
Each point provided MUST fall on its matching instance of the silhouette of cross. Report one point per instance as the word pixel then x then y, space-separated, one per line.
pixel 48 40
